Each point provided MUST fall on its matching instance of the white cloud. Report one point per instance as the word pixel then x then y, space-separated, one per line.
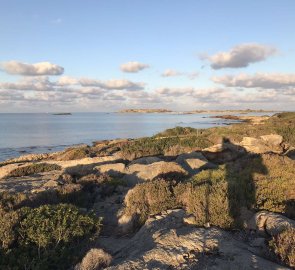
pixel 66 80
pixel 241 56
pixel 113 84
pixel 175 92
pixel 133 67
pixel 36 84
pixel 258 80
pixel 171 73
pixel 175 73
pixel 25 69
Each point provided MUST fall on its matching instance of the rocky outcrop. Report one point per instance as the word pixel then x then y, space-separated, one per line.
pixel 270 223
pixel 266 143
pixel 193 162
pixel 141 172
pixel 115 169
pixel 145 160
pixel 223 152
pixel 165 242
pixel 28 158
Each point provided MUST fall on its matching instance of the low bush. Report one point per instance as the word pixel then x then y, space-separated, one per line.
pixel 74 153
pixel 45 237
pixel 149 198
pixel 283 245
pixel 260 182
pixel 95 259
pixel 33 169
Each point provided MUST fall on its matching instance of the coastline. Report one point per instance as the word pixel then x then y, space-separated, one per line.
pixel 18 153
pixel 11 151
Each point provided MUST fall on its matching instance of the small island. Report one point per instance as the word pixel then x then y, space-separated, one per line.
pixel 145 111
pixel 62 113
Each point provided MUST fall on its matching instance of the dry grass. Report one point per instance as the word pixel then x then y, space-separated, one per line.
pixel 284 246
pixel 33 169
pixel 95 259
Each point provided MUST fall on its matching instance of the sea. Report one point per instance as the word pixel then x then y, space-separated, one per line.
pixel 28 133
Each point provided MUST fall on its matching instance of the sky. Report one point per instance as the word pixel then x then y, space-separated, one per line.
pixel 107 55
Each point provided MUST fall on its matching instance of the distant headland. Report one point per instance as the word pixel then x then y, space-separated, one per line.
pixel 195 111
pixel 145 111
pixel 62 113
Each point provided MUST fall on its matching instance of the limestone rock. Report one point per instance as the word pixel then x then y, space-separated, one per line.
pixel 141 172
pixel 115 169
pixel 266 143
pixel 192 162
pixel 270 223
pixel 223 152
pixel 167 243
pixel 145 160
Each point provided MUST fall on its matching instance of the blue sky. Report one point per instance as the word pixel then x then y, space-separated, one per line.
pixel 91 39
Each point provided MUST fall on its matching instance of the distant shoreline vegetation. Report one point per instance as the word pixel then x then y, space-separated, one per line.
pixel 194 112
pixel 61 114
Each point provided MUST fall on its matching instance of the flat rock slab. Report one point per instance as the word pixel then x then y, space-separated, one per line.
pixel 115 169
pixel 165 242
pixel 143 172
pixel 30 184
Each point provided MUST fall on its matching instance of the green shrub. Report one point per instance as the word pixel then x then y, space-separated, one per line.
pixel 47 237
pixel 8 221
pixel 149 198
pixel 283 245
pixel 208 200
pixel 74 153
pixel 51 225
pixel 10 201
pixel 33 169
pixel 260 182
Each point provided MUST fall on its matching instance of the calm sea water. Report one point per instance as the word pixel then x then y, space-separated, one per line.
pixel 36 133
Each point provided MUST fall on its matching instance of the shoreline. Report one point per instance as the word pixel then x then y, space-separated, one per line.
pixel 196 111
pixel 20 152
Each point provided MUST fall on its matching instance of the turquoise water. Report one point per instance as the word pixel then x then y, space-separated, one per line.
pixel 36 133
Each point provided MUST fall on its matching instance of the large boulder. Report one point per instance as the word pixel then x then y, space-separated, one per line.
pixel 266 143
pixel 115 169
pixel 270 223
pixel 193 162
pixel 145 160
pixel 223 152
pixel 141 172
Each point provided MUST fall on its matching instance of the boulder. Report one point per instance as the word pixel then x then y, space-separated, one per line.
pixel 266 143
pixel 145 160
pixel 141 172
pixel 223 152
pixel 114 169
pixel 165 242
pixel 271 223
pixel 193 162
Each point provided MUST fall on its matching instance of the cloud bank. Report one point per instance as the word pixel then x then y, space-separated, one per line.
pixel 241 56
pixel 258 80
pixel 25 69
pixel 133 67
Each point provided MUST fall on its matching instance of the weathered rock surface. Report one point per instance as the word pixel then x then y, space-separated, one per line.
pixel 266 143
pixel 193 162
pixel 223 152
pixel 165 242
pixel 145 160
pixel 28 158
pixel 30 184
pixel 115 169
pixel 268 222
pixel 141 172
